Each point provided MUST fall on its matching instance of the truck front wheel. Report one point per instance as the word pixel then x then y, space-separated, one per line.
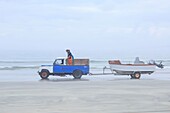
pixel 77 74
pixel 44 74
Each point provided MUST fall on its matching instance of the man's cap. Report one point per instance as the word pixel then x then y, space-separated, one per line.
pixel 67 49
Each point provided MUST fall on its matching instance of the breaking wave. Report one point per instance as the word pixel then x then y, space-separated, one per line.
pixel 18 67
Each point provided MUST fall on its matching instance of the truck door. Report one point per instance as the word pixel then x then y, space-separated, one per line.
pixel 58 66
pixel 58 69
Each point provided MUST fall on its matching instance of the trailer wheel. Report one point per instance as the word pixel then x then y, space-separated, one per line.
pixel 44 74
pixel 77 74
pixel 137 75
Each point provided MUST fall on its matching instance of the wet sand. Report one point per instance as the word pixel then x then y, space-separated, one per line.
pixel 84 96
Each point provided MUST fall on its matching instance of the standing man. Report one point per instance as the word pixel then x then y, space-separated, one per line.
pixel 70 58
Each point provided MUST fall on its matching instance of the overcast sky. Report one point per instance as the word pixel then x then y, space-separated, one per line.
pixel 90 28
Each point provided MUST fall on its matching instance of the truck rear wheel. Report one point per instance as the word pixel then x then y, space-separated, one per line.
pixel 137 75
pixel 44 74
pixel 77 74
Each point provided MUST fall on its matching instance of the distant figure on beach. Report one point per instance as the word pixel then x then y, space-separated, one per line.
pixel 70 57
pixel 137 61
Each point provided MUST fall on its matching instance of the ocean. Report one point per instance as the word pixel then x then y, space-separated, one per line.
pixel 11 65
pixel 26 70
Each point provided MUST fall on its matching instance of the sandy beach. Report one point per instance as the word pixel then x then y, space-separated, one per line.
pixel 85 96
pixel 23 91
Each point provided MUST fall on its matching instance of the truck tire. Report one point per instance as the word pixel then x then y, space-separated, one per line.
pixel 137 75
pixel 44 74
pixel 77 74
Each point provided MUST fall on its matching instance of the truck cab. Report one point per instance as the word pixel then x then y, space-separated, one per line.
pixel 61 68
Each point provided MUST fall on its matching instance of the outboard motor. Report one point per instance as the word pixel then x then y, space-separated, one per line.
pixel 160 65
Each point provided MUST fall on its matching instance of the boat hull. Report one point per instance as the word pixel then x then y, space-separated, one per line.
pixel 125 69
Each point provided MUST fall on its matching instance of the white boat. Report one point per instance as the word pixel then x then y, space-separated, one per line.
pixel 134 70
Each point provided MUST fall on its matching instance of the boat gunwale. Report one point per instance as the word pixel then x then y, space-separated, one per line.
pixel 133 64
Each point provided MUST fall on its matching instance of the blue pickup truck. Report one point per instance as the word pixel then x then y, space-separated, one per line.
pixel 61 68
